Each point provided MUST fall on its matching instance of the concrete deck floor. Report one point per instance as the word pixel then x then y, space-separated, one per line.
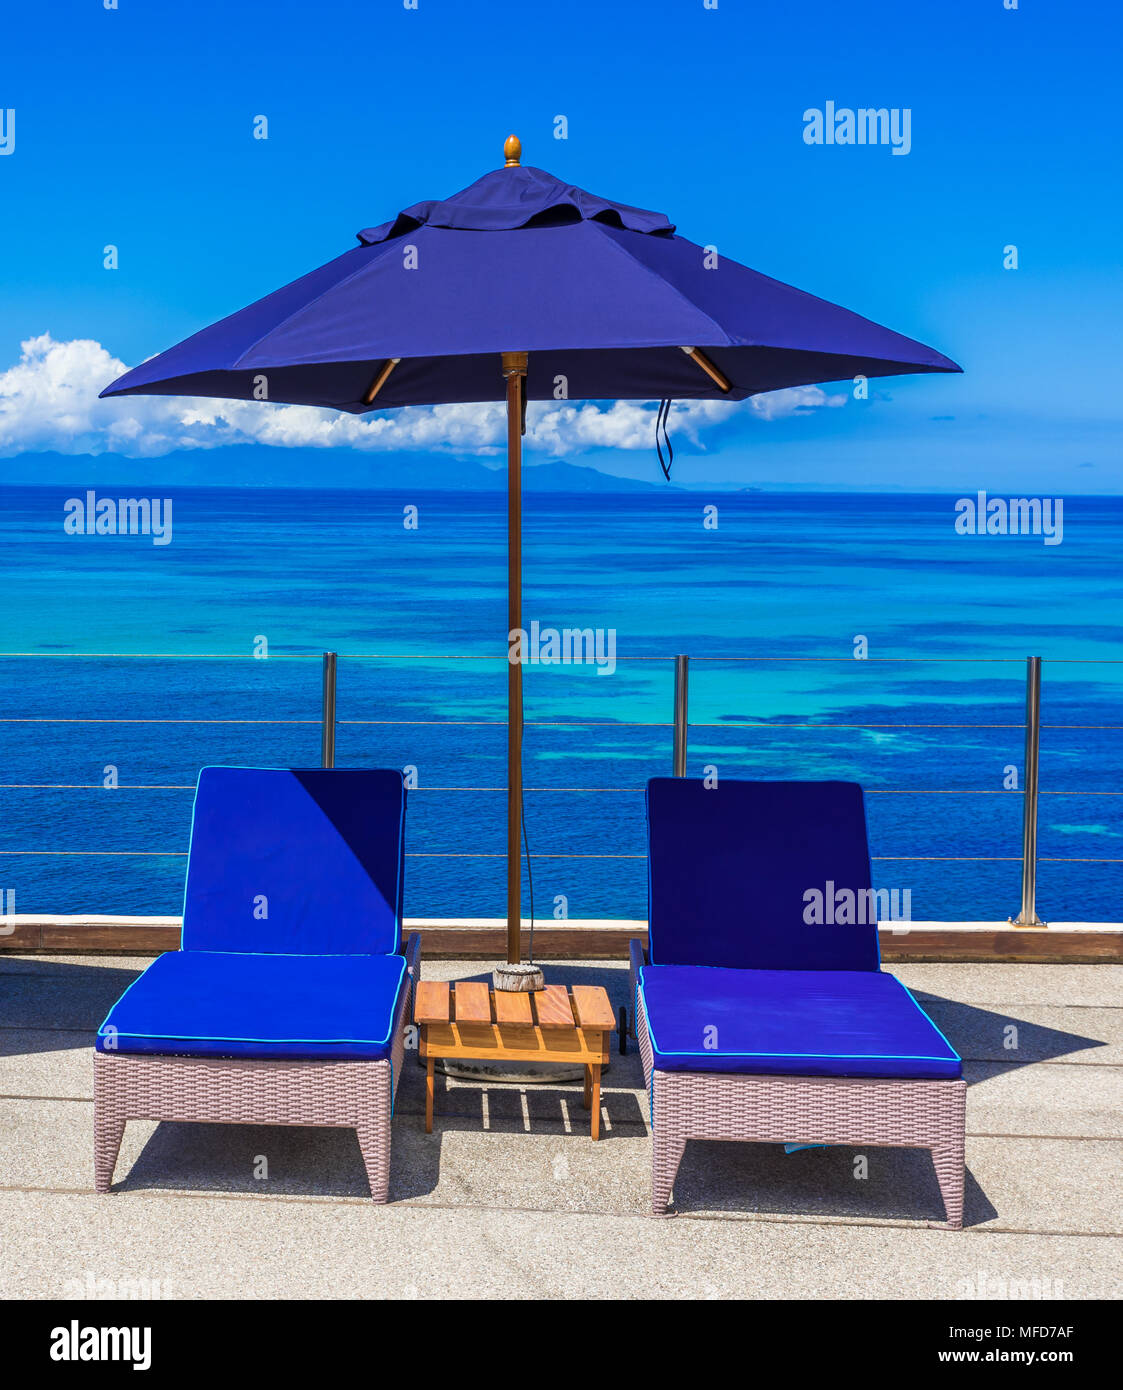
pixel 509 1197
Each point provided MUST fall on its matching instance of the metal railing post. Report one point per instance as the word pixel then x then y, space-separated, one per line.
pixel 1028 917
pixel 327 735
pixel 682 666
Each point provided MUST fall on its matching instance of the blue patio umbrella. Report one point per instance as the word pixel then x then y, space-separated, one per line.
pixel 525 287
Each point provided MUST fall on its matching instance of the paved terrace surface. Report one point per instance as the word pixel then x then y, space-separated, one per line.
pixel 509 1197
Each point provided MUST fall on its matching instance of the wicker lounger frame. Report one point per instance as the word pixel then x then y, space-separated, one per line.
pixel 256 1091
pixel 799 1109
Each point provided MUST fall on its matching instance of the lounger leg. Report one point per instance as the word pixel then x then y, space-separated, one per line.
pixel 587 1099
pixel 593 1085
pixel 951 1174
pixel 374 1141
pixel 429 1088
pixel 666 1155
pixel 108 1133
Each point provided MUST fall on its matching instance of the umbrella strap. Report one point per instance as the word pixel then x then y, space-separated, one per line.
pixel 662 436
pixel 529 876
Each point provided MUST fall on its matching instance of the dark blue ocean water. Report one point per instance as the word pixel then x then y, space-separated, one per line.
pixel 937 707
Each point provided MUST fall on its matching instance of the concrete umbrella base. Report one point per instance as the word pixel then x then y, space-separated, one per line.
pixel 518 979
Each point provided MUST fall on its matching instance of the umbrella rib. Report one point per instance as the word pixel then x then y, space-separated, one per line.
pixel 708 367
pixel 379 381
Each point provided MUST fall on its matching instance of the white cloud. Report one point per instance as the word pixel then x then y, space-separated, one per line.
pixel 793 400
pixel 48 401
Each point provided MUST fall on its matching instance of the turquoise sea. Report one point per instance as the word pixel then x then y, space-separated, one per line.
pixel 768 606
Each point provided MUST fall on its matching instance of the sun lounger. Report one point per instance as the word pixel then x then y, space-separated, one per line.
pixel 288 1000
pixel 760 1006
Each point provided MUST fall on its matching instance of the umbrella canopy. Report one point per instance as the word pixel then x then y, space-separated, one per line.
pixel 599 293
pixel 524 287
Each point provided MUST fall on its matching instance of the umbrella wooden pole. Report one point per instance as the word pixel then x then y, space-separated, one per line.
pixel 514 369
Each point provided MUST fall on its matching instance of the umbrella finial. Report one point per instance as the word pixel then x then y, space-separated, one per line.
pixel 512 151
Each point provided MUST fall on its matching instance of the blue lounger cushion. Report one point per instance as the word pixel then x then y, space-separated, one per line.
pixel 731 868
pixel 229 1004
pixel 294 861
pixel 791 1023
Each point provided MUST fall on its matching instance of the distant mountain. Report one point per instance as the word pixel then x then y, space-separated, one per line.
pixel 250 465
pixel 568 477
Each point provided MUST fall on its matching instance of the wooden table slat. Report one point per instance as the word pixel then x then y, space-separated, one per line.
pixel 432 1002
pixel 472 1000
pixel 592 1007
pixel 512 1006
pixel 553 1008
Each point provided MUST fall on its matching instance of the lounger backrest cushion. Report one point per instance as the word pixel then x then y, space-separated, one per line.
pixel 757 875
pixel 296 862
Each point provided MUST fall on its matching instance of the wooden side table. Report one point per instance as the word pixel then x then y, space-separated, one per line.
pixel 470 1019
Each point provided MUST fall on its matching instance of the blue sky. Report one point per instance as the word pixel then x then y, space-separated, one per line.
pixel 134 127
